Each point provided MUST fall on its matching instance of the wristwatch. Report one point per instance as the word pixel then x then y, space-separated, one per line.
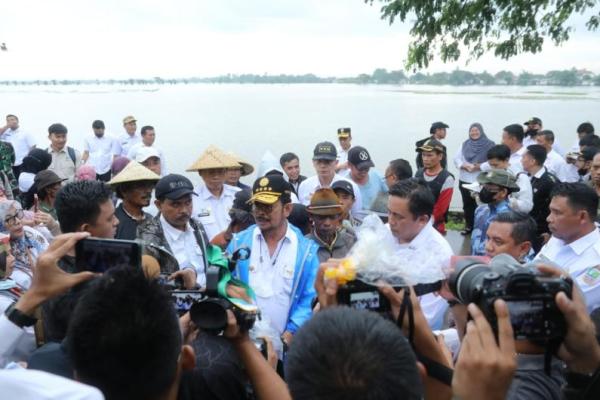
pixel 19 318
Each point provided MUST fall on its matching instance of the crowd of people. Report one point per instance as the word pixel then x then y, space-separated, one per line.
pixel 68 333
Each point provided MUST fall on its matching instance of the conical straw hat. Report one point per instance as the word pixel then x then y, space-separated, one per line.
pixel 213 158
pixel 134 171
pixel 247 168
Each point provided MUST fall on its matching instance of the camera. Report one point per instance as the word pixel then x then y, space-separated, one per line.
pixel 363 296
pixel 208 309
pixel 529 295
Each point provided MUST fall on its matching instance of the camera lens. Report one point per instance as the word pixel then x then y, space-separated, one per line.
pixel 465 281
pixel 209 315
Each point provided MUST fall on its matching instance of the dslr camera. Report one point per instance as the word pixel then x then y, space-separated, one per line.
pixel 529 295
pixel 210 313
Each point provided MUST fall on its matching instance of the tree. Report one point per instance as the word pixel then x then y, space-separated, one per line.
pixel 506 27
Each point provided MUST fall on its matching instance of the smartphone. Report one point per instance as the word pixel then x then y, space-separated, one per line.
pixel 4 249
pixel 98 255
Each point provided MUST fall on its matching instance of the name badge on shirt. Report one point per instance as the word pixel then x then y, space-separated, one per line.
pixel 205 212
pixel 288 271
pixel 591 277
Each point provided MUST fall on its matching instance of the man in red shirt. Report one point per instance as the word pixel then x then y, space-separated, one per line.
pixel 438 180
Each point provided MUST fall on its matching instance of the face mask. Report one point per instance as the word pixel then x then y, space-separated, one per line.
pixel 486 196
pixel 582 172
pixel 532 132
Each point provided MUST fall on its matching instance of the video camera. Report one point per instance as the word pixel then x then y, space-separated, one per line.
pixel 208 309
pixel 529 295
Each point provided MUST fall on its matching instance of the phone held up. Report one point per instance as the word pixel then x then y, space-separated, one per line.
pixel 98 255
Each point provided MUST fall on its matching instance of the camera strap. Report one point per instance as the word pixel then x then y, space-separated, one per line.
pixel 434 369
pixel 215 257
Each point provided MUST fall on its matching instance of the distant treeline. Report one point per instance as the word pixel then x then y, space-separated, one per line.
pixel 381 76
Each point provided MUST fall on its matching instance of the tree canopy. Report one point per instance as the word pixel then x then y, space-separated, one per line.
pixel 506 27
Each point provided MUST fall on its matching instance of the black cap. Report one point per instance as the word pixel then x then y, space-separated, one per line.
pixel 325 151
pixel 533 121
pixel 344 132
pixel 344 186
pixel 360 158
pixel 268 189
pixel 437 125
pixel 97 124
pixel 240 201
pixel 173 187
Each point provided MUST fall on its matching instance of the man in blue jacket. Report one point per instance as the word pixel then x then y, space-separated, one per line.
pixel 283 264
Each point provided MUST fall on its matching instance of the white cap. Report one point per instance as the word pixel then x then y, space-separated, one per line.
pixel 145 153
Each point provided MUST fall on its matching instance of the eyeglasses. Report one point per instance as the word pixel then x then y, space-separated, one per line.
pixel 12 219
pixel 263 208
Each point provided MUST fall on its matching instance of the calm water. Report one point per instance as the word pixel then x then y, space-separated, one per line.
pixel 249 119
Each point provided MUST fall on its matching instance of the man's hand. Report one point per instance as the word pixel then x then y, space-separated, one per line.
pixel 189 331
pixel 188 276
pixel 326 290
pixel 484 369
pixel 48 279
pixel 579 350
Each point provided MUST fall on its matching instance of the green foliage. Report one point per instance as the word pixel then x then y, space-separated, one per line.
pixel 506 27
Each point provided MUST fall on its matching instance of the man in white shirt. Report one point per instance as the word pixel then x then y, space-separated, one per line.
pixel 512 137
pixel 148 138
pixel 100 150
pixel 65 160
pixel 345 139
pixel 410 219
pixel 173 237
pixel 325 162
pixel 575 242
pixel 21 141
pixel 129 138
pixel 554 162
pixel 213 198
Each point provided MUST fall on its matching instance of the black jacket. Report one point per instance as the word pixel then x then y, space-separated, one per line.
pixel 542 187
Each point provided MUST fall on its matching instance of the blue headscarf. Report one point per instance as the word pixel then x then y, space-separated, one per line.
pixel 475 150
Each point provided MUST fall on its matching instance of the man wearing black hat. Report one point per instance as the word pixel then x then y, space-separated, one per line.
pixel 173 237
pixel 345 193
pixel 283 263
pixel 438 180
pixel 533 126
pixel 438 132
pixel 325 161
pixel 345 139
pixel 369 181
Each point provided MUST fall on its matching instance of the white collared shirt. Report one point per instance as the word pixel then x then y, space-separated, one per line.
pixel 101 152
pixel 557 166
pixel 428 251
pixel 185 248
pixel 21 141
pixel 342 156
pixel 312 184
pixel 62 164
pixel 133 151
pixel 126 141
pixel 211 211
pixel 581 260
pixel 272 276
pixel 514 162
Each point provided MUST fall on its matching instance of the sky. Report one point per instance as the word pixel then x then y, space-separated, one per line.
pixel 65 39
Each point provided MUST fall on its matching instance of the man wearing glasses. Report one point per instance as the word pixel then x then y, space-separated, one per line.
pixel 283 263
pixel 326 212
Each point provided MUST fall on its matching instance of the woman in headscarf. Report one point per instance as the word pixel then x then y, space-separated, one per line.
pixel 468 159
pixel 26 243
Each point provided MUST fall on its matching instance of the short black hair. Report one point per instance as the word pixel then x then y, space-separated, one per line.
pixel 499 152
pixel 548 135
pixel 11 115
pixel 299 218
pixel 97 124
pixel 538 153
pixel 590 140
pixel 57 128
pixel 515 131
pixel 286 158
pixel 124 336
pixel 342 353
pixel 579 197
pixel 419 196
pixel 524 228
pixel 586 127
pixel 146 128
pixel 401 168
pixel 79 203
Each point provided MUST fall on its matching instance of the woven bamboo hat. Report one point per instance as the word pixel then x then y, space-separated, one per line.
pixel 133 172
pixel 247 168
pixel 214 158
